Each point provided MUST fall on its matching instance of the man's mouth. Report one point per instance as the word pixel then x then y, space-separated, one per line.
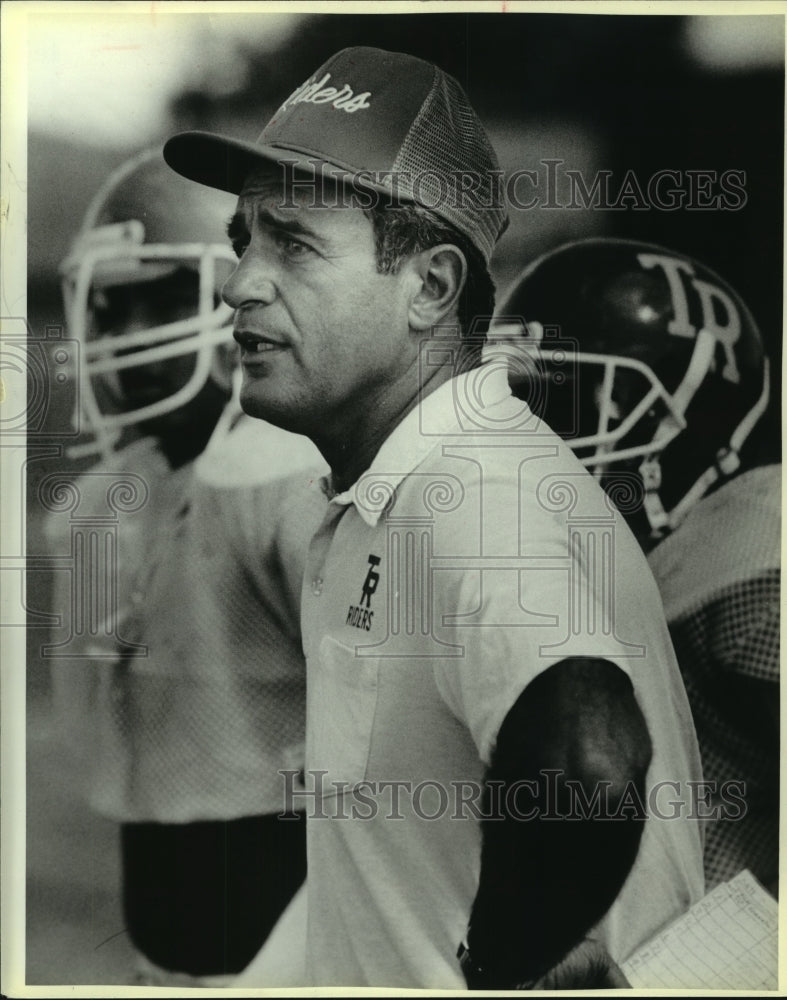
pixel 254 343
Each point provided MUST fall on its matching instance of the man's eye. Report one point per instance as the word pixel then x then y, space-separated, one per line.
pixel 291 246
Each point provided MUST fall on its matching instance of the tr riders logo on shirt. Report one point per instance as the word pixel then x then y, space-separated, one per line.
pixel 359 616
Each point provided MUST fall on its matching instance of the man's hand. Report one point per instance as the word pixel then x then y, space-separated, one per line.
pixel 589 966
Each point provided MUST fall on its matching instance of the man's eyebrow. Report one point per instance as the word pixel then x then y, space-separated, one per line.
pixel 287 224
pixel 237 228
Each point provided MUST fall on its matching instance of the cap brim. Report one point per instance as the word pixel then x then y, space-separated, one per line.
pixel 224 163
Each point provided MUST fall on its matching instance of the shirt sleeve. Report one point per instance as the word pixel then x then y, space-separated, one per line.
pixel 550 594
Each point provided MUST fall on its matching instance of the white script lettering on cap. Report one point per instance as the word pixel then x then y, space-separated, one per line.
pixel 317 93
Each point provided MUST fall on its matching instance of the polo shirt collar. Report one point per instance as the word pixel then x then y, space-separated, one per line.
pixel 406 446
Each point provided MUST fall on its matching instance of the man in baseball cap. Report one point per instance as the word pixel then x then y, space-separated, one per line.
pixel 470 666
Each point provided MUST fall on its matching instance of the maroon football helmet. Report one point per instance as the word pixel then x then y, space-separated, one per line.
pixel 649 365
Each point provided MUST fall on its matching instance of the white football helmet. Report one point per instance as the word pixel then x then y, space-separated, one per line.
pixel 153 244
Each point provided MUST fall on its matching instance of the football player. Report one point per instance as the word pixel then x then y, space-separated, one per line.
pixel 653 368
pixel 189 685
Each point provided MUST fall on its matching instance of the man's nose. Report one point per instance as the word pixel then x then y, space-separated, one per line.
pixel 251 281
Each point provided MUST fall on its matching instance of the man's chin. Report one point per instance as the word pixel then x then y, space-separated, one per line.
pixel 251 401
pixel 256 403
pixel 263 406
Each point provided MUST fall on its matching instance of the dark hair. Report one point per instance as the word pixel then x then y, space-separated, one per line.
pixel 406 228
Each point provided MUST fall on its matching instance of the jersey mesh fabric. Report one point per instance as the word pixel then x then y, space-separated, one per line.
pixel 82 656
pixel 209 583
pixel 217 707
pixel 719 576
pixel 729 653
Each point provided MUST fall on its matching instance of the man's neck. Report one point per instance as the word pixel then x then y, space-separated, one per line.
pixel 350 453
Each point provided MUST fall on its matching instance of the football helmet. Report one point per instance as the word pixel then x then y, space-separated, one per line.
pixel 141 286
pixel 649 365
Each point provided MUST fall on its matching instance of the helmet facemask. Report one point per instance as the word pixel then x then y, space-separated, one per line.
pixel 143 300
pixel 177 287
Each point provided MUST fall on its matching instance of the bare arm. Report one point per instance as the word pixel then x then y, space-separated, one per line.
pixel 546 881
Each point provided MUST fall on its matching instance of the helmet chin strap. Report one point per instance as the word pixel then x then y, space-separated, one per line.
pixel 232 411
pixel 650 471
pixel 661 523
pixel 727 463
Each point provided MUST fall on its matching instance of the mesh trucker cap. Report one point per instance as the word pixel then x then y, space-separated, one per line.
pixel 378 120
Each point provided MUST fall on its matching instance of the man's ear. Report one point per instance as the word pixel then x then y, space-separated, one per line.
pixel 442 271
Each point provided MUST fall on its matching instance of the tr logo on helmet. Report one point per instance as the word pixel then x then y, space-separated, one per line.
pixel 710 296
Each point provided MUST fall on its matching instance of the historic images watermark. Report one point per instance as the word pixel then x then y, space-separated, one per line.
pixel 45 365
pixel 86 522
pixel 554 185
pixel 84 514
pixel 550 797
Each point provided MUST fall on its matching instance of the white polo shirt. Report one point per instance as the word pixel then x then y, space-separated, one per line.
pixel 475 553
